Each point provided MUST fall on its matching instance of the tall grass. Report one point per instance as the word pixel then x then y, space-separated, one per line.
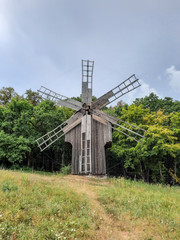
pixel 42 207
pixel 154 205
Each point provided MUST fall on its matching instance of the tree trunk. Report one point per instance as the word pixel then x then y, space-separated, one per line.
pixel 62 158
pixel 160 171
pixel 43 161
pixel 142 172
pixel 52 169
pixel 28 159
pixel 174 171
pixel 148 175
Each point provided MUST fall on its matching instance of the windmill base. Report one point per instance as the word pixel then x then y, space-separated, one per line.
pixel 99 176
pixel 101 138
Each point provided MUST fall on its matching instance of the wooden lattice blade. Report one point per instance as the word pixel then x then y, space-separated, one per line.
pixel 126 86
pixel 52 136
pixel 105 116
pixel 59 99
pixel 127 135
pixel 87 78
pixel 114 121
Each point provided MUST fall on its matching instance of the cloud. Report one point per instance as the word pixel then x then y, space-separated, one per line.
pixel 145 89
pixel 142 91
pixel 174 78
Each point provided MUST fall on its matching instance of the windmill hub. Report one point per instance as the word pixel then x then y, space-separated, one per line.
pixel 86 108
pixel 89 130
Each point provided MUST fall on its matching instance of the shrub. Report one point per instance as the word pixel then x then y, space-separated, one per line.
pixel 65 170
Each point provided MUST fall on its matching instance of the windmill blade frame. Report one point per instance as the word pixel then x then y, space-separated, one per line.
pixel 59 99
pixel 126 134
pixel 123 88
pixel 114 121
pixel 49 138
pixel 129 130
pixel 87 79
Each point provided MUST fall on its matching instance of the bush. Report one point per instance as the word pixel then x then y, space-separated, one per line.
pixel 15 166
pixel 65 170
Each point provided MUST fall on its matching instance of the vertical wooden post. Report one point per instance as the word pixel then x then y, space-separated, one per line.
pixel 85 158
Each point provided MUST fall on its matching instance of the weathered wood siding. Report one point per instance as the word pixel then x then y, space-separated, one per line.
pixel 74 137
pixel 101 136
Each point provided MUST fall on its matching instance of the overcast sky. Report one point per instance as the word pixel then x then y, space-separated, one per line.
pixel 42 42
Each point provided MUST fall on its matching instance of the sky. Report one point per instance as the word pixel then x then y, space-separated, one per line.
pixel 42 43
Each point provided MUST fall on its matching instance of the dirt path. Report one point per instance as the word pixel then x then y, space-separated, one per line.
pixel 110 228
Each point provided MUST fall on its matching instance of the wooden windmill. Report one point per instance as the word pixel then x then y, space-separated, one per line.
pixel 89 130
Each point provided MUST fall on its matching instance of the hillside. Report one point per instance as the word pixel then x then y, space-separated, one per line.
pixel 34 206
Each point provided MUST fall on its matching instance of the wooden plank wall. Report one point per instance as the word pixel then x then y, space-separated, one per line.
pixel 74 137
pixel 101 136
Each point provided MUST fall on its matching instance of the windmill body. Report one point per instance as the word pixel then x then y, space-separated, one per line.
pixel 89 130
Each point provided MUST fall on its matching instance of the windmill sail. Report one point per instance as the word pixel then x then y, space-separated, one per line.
pixel 87 77
pixel 114 122
pixel 113 119
pixel 123 88
pixel 127 135
pixel 52 136
pixel 59 99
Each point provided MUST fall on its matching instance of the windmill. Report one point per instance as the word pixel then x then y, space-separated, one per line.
pixel 89 129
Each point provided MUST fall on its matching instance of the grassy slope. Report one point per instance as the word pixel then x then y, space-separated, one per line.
pixel 42 207
pixel 154 208
pixel 54 207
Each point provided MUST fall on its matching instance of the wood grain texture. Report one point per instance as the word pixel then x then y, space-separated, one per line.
pixel 101 136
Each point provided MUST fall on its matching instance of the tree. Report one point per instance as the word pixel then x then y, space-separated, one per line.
pixel 13 149
pixel 23 120
pixel 153 103
pixel 6 94
pixel 33 97
pixel 156 154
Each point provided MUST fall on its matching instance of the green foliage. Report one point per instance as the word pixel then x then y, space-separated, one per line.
pixel 13 149
pixel 6 94
pixel 24 119
pixel 33 97
pixel 65 170
pixel 153 103
pixel 156 153
pixel 21 123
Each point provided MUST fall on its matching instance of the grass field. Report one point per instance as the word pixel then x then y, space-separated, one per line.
pixel 34 206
